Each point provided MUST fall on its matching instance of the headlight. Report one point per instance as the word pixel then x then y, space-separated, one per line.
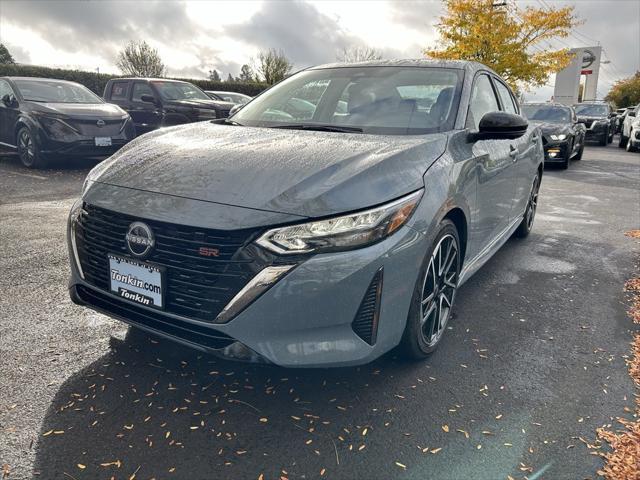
pixel 206 113
pixel 55 126
pixel 562 136
pixel 344 232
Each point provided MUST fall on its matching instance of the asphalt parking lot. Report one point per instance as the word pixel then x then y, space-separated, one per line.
pixel 533 363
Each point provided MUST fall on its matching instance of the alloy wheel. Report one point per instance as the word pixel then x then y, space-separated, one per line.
pixel 533 204
pixel 26 148
pixel 438 289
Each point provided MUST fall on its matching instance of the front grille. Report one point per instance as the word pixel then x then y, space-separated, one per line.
pixel 90 128
pixel 365 323
pixel 195 286
pixel 192 333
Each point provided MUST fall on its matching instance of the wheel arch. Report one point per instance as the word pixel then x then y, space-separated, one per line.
pixel 459 219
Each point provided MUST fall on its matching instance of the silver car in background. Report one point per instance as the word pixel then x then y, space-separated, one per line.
pixel 330 220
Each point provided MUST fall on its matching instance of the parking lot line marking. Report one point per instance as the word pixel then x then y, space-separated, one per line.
pixel 31 175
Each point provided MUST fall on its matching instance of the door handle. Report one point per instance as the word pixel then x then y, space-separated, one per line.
pixel 513 152
pixel 534 138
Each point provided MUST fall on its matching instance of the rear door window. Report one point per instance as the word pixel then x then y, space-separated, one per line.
pixel 119 91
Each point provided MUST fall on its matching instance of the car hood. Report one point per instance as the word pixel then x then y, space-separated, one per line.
pixel 590 118
pixel 551 127
pixel 212 104
pixel 101 110
pixel 305 173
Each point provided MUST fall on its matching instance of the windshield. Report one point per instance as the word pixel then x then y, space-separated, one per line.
pixel 180 91
pixel 592 109
pixel 55 92
pixel 547 113
pixel 233 97
pixel 383 100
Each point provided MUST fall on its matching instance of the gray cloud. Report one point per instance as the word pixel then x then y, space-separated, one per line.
pixel 307 36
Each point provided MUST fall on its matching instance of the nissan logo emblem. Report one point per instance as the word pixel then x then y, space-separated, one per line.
pixel 100 123
pixel 140 239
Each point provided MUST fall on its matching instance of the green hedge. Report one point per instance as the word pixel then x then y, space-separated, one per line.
pixel 97 81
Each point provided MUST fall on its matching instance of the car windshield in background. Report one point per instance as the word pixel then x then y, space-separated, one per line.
pixel 380 100
pixel 547 113
pixel 233 97
pixel 180 91
pixel 596 110
pixel 55 92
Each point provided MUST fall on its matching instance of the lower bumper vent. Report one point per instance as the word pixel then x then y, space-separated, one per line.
pixel 365 323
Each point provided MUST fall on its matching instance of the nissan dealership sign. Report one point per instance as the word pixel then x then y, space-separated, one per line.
pixel 586 61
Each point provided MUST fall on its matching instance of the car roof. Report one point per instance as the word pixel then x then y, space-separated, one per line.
pixel 226 91
pixel 40 79
pixel 416 62
pixel 148 79
pixel 546 104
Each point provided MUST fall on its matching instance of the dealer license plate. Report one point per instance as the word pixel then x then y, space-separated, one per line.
pixel 136 281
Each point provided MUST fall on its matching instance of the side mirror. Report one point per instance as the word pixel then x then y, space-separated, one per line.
pixel 9 100
pixel 501 126
pixel 235 109
pixel 631 114
pixel 613 115
pixel 148 98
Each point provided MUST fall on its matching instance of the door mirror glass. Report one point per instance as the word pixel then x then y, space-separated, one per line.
pixel 501 125
pixel 9 100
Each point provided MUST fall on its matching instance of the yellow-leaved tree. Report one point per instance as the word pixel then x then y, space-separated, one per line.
pixel 512 41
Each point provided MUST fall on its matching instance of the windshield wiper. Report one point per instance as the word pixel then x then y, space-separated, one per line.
pixel 226 121
pixel 319 128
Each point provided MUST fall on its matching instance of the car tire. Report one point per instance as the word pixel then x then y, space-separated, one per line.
pixel 605 139
pixel 566 161
pixel 629 147
pixel 524 229
pixel 610 139
pixel 623 141
pixel 438 279
pixel 28 149
pixel 578 156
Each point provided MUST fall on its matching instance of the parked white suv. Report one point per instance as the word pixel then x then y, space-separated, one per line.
pixel 630 132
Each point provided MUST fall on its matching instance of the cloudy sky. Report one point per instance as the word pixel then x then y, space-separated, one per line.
pixel 197 36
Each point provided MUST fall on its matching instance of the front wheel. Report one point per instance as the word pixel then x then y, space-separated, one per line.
pixel 629 147
pixel 433 294
pixel 28 150
pixel 623 141
pixel 605 139
pixel 578 156
pixel 524 229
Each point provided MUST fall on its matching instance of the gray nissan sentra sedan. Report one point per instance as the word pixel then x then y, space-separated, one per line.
pixel 328 221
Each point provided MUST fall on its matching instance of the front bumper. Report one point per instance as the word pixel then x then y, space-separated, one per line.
pixel 555 151
pixel 596 130
pixel 306 319
pixel 72 144
pixel 82 148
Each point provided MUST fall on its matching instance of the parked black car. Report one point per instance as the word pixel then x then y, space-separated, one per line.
pixel 158 102
pixel 599 119
pixel 44 119
pixel 562 135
